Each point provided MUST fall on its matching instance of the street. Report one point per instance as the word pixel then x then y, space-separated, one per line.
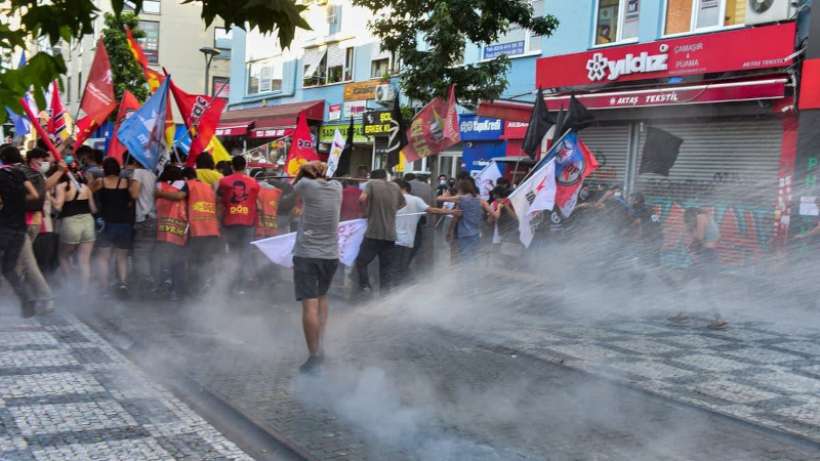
pixel 432 380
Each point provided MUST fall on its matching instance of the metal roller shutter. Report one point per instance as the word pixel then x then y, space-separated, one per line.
pixel 728 166
pixel 611 147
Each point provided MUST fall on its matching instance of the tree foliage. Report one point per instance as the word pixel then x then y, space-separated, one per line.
pixel 126 72
pixel 430 37
pixel 53 21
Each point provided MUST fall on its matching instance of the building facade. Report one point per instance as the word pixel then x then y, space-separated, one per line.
pixel 174 33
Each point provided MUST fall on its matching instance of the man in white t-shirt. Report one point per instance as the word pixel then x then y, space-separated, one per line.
pixel 146 270
pixel 407 220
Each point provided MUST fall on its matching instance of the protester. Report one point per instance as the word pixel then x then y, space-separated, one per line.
pixel 75 205
pixel 506 242
pixel 351 207
pixel 46 245
pixel 238 193
pixel 267 202
pixel 705 234
pixel 117 197
pixel 203 239
pixel 38 162
pixel 206 170
pixel 407 222
pixel 15 191
pixel 467 228
pixel 172 225
pixel 224 168
pixel 381 200
pixel 362 173
pixel 442 185
pixel 316 253
pixel 145 227
pixel 423 243
pixel 90 163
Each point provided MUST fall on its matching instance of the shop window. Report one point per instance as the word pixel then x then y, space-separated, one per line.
pixel 332 64
pixel 617 21
pixel 150 42
pixel 148 6
pixel 222 41
pixel 264 76
pixel 380 68
pixel 685 16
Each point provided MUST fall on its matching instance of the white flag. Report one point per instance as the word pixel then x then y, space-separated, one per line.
pixel 350 234
pixel 336 150
pixel 487 178
pixel 537 193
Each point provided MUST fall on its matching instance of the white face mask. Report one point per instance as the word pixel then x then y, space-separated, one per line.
pixel 44 167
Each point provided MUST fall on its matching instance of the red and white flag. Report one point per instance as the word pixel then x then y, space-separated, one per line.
pixel 59 122
pixel 98 100
pixel 433 129
pixel 535 194
pixel 350 234
pixel 302 148
pixel 201 115
pixel 129 104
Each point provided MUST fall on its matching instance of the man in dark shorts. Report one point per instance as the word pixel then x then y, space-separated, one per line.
pixel 316 253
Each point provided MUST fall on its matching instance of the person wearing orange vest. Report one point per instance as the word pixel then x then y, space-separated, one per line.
pixel 203 232
pixel 172 229
pixel 267 204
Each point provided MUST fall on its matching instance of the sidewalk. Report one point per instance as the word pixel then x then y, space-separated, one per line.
pixel 764 373
pixel 66 394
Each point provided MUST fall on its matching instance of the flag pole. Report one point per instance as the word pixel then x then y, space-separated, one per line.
pixel 40 131
pixel 550 155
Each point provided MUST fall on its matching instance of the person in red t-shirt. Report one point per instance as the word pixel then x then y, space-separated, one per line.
pixel 351 208
pixel 237 200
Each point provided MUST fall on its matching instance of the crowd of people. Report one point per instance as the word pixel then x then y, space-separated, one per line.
pixel 112 227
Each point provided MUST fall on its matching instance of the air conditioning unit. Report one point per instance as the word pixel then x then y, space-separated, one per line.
pixel 385 93
pixel 763 11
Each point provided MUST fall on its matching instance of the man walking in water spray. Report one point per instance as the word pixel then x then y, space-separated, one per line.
pixel 316 253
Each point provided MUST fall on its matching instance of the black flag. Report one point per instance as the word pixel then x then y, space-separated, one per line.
pixel 540 123
pixel 398 135
pixel 344 159
pixel 660 151
pixel 577 118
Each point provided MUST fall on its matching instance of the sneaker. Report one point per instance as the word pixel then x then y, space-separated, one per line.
pixel 311 365
pixel 718 324
pixel 46 307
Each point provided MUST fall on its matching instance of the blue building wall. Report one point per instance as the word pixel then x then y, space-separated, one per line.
pixel 574 34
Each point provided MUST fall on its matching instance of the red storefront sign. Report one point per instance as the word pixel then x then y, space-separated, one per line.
pixel 735 50
pixel 515 130
pixel 271 132
pixel 696 94
pixel 235 130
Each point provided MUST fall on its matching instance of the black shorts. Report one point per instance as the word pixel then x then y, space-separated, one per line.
pixel 120 236
pixel 312 276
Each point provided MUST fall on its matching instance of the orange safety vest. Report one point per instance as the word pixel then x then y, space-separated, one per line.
pixel 202 209
pixel 266 222
pixel 172 218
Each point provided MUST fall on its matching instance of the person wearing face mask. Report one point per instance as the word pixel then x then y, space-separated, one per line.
pixel 38 163
pixel 441 185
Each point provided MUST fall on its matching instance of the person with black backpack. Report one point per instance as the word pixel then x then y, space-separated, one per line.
pixel 15 191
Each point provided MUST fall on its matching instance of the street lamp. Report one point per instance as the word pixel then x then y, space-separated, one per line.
pixel 210 53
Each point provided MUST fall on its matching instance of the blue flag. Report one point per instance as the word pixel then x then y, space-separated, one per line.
pixel 143 133
pixel 21 124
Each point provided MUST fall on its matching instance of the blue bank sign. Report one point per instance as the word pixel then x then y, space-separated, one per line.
pixel 475 128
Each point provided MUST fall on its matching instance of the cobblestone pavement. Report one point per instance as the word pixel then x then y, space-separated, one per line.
pixel 66 394
pixel 396 387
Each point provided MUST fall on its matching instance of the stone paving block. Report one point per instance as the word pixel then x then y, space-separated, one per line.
pixel 790 383
pixel 145 449
pixel 48 384
pixel 762 355
pixel 17 339
pixel 651 369
pixel 732 391
pixel 588 352
pixel 25 358
pixel 645 346
pixel 808 348
pixel 711 362
pixel 695 341
pixel 47 419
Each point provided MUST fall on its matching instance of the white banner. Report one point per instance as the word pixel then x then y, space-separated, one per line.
pixel 350 234
pixel 336 150
pixel 537 193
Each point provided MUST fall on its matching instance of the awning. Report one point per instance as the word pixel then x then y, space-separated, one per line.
pixel 233 129
pixel 750 90
pixel 272 121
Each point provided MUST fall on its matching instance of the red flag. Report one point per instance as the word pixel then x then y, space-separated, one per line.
pixel 201 115
pixel 433 129
pixel 154 78
pixel 98 97
pixel 302 149
pixel 40 131
pixel 128 105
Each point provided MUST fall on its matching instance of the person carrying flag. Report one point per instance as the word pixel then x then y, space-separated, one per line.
pixel 203 238
pixel 238 193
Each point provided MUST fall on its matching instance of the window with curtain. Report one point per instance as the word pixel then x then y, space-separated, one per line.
pixel 264 76
pixel 685 16
pixel 150 43
pixel 617 20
